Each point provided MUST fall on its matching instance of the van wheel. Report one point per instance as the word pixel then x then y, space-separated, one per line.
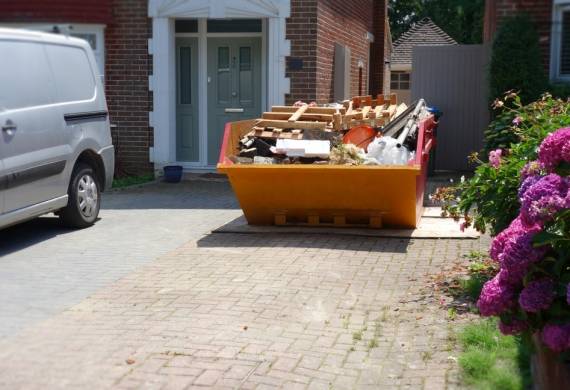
pixel 84 198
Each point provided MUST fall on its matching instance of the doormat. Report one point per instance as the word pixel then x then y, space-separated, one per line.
pixel 432 225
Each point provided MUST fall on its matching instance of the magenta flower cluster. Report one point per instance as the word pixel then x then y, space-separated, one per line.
pixel 555 149
pixel 556 337
pixel 537 295
pixel 495 158
pixel 510 294
pixel 542 198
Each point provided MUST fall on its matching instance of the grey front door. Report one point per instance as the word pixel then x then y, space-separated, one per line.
pixel 187 134
pixel 234 86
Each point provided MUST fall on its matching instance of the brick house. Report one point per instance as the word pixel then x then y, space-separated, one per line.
pixel 176 70
pixel 552 20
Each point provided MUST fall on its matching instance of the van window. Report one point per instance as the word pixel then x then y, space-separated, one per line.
pixel 72 73
pixel 25 78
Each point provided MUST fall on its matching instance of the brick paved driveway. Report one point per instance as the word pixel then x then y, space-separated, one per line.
pixel 45 268
pixel 244 311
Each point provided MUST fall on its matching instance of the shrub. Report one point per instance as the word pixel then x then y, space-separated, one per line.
pixel 490 198
pixel 516 61
pixel 531 292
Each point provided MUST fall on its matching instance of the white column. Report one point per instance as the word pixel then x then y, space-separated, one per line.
pixel 203 90
pixel 277 49
pixel 163 116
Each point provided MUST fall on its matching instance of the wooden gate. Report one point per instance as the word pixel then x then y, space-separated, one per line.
pixel 454 79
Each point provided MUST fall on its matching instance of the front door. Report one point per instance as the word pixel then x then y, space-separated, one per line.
pixel 187 134
pixel 234 86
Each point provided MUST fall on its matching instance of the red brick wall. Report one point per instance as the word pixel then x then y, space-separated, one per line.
pixel 55 11
pixel 345 22
pixel 127 68
pixel 301 30
pixel 127 63
pixel 539 10
pixel 313 29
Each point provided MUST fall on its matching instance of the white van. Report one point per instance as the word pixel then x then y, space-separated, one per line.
pixel 56 152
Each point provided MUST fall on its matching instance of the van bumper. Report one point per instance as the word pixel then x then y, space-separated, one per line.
pixel 108 156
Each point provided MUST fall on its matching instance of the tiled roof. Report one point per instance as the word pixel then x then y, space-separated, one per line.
pixel 423 33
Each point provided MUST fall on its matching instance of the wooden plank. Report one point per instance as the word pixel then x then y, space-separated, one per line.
pixel 365 100
pixel 380 101
pixel 392 109
pixel 337 122
pixel 295 117
pixel 401 108
pixel 350 110
pixel 304 117
pixel 290 125
pixel 310 110
pixel 261 133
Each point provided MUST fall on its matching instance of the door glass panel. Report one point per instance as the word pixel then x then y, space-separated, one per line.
pixel 237 25
pixel 224 80
pixel 245 75
pixel 185 70
pixel 186 26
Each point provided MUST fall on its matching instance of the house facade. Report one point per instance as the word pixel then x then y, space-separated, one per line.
pixel 552 20
pixel 176 70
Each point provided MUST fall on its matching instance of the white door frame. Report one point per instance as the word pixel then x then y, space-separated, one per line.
pixel 163 81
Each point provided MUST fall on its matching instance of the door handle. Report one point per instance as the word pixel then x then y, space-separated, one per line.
pixel 9 126
pixel 234 109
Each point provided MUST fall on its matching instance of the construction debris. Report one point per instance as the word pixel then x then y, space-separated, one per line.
pixel 349 133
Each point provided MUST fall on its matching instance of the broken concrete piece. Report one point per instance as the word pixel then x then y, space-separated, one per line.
pixel 263 160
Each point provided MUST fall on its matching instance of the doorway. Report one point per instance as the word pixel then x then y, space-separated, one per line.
pixel 219 78
pixel 234 86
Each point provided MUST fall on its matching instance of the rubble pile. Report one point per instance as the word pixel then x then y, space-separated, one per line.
pixel 361 131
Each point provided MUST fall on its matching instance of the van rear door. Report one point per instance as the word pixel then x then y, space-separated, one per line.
pixel 34 149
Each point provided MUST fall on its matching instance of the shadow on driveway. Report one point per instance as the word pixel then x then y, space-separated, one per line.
pixel 282 241
pixel 29 233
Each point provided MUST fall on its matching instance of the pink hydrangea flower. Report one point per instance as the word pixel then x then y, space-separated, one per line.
pixel 544 198
pixel 518 254
pixel 495 158
pixel 556 337
pixel 511 234
pixel 495 297
pixel 554 149
pixel 537 295
pixel 514 327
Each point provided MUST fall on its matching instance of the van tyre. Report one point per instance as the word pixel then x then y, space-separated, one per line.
pixel 84 200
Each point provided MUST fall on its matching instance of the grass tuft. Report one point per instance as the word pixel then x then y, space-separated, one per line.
pixel 128 181
pixel 491 360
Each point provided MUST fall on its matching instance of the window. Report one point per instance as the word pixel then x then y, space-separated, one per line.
pixel 400 80
pixel 25 78
pixel 233 25
pixel 186 26
pixel 72 72
pixel 560 56
pixel 92 33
